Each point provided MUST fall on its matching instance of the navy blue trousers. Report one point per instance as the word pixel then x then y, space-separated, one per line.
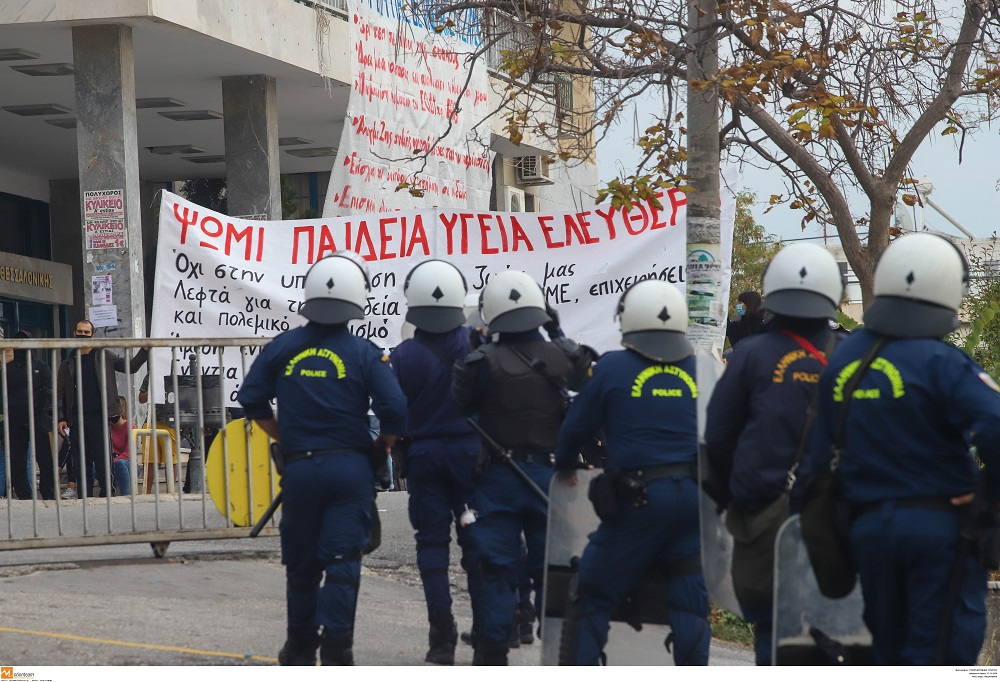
pixel 325 521
pixel 663 534
pixel 507 508
pixel 440 480
pixel 905 559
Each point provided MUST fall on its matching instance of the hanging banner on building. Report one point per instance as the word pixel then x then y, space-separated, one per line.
pixel 217 276
pixel 406 82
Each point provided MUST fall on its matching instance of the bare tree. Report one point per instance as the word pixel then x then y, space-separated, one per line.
pixel 836 95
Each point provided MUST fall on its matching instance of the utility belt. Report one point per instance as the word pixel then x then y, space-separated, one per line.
pixel 608 490
pixel 282 459
pixel 526 457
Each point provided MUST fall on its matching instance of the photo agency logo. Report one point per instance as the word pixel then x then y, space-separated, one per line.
pixel 7 673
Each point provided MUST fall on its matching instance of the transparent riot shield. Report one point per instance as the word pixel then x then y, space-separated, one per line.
pixel 571 520
pixel 810 629
pixel 716 542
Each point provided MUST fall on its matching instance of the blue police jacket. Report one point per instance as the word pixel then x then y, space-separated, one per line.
pixel 324 378
pixel 648 412
pixel 419 364
pixel 917 410
pixel 757 412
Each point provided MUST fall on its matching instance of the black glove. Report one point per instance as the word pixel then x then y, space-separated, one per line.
pixel 552 327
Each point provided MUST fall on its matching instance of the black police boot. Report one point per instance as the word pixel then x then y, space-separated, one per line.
pixel 337 649
pixel 442 640
pixel 490 653
pixel 299 648
pixel 526 622
pixel 515 631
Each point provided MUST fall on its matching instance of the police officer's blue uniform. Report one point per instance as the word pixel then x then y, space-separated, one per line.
pixel 648 412
pixel 521 408
pixel 913 416
pixel 752 434
pixel 442 452
pixel 323 378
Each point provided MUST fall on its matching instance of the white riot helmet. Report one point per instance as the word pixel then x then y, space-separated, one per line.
pixel 336 289
pixel 654 321
pixel 513 302
pixel 803 280
pixel 435 296
pixel 920 281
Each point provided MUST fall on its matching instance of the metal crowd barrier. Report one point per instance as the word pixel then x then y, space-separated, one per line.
pixel 158 518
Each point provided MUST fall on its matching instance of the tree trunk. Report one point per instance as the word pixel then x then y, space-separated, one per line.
pixel 708 308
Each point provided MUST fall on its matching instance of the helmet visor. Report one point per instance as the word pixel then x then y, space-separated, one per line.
pixel 436 320
pixel 330 311
pixel 660 346
pixel 520 320
pixel 905 318
pixel 800 303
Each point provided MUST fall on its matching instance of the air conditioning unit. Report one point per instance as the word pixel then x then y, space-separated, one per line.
pixel 513 199
pixel 531 170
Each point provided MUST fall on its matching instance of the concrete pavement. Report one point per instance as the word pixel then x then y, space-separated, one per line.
pixel 221 602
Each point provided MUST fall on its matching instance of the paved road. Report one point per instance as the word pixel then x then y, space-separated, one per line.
pixel 222 603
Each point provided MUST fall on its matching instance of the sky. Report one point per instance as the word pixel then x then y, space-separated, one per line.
pixel 966 191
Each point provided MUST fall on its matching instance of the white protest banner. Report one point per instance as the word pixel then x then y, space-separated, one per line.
pixel 406 81
pixel 219 277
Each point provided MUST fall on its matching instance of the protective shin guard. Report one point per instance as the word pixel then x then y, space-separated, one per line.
pixel 442 640
pixel 337 649
pixel 490 653
pixel 299 648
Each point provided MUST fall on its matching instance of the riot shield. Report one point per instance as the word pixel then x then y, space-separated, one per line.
pixel 571 520
pixel 716 542
pixel 810 629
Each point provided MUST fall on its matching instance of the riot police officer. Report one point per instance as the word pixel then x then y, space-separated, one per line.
pixel 756 417
pixel 517 386
pixel 323 377
pixel 441 448
pixel 644 398
pixel 903 461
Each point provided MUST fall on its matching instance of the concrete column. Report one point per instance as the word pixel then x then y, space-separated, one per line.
pixel 108 159
pixel 253 183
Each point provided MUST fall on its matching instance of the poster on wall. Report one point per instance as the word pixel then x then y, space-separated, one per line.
pixel 219 277
pixel 104 219
pixel 100 290
pixel 406 82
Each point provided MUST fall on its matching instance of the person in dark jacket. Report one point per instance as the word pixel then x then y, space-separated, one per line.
pixel 92 433
pixel 644 398
pixel 756 417
pixel 324 379
pixel 26 427
pixel 517 387
pixel 905 461
pixel 441 448
pixel 749 317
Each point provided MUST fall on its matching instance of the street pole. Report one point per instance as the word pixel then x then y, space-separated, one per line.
pixel 707 308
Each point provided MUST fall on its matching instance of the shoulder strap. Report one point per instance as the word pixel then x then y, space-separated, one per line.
pixel 811 410
pixel 808 347
pixel 539 366
pixel 841 432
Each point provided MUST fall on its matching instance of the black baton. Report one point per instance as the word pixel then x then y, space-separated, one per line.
pixel 504 454
pixel 268 513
